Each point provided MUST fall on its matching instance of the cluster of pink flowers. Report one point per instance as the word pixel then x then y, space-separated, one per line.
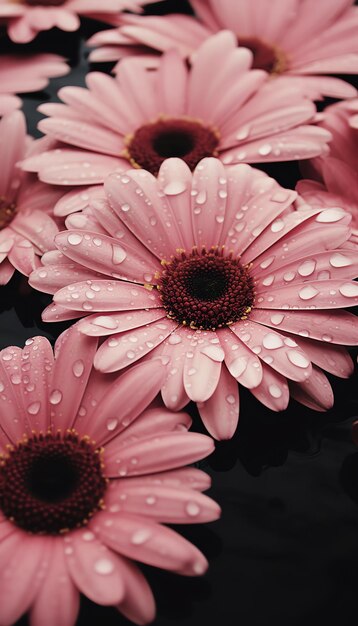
pixel 187 270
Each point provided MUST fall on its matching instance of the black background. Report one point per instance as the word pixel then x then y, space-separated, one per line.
pixel 286 548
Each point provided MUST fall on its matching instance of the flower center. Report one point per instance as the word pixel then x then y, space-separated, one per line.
pixel 187 139
pixel 266 57
pixel 206 289
pixel 7 212
pixel 51 483
pixel 45 3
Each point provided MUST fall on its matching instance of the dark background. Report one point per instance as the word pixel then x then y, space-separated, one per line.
pixel 286 548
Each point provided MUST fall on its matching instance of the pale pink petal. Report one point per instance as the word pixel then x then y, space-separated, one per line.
pixel 241 362
pixel 162 503
pixel 74 354
pixel 51 278
pixel 281 353
pixel 126 348
pixel 187 477
pixel 202 366
pixel 74 201
pixel 138 604
pixel 107 255
pixel 148 542
pixel 315 393
pixel 220 413
pixel 333 359
pixel 126 399
pixel 273 391
pixel 57 601
pixel 337 326
pixel 175 181
pixel 209 193
pixel 15 421
pixel 93 568
pixel 154 421
pixel 6 272
pixel 12 146
pixel 166 451
pixel 112 323
pixel 34 381
pixel 173 78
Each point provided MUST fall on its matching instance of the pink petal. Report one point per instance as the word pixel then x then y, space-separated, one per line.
pixel 6 272
pixel 57 601
pixel 12 147
pixel 93 568
pixel 202 366
pixel 77 200
pixel 188 477
pixel 125 400
pixel 173 78
pixel 241 362
pixel 156 454
pixel 220 413
pixel 126 348
pixel 106 295
pixel 209 202
pixel 107 255
pixel 15 420
pixel 138 604
pixel 273 391
pixel 281 353
pixel 51 278
pixel 23 557
pixel 175 181
pixel 155 227
pixel 154 421
pixel 84 135
pixel 336 326
pixel 333 359
pixel 36 366
pixel 74 354
pixel 315 393
pixel 112 323
pixel 149 542
pixel 320 294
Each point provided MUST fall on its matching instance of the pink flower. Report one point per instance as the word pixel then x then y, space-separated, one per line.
pixel 335 177
pixel 26 18
pixel 110 124
pixel 216 271
pixel 20 74
pixel 26 228
pixel 299 40
pixel 88 475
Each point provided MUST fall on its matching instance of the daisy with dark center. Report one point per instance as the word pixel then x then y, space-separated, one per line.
pixel 184 114
pixel 85 485
pixel 26 18
pixel 223 272
pixel 298 41
pixel 26 228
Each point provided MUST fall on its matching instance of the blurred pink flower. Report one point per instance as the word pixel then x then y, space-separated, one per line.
pixel 298 40
pixel 26 228
pixel 21 74
pixel 335 177
pixel 88 476
pixel 183 114
pixel 26 18
pixel 218 272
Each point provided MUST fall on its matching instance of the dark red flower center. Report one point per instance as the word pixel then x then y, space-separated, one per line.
pixel 206 289
pixel 152 143
pixel 266 57
pixel 45 3
pixel 7 212
pixel 51 483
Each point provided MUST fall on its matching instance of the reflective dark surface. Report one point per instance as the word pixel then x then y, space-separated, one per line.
pixel 286 548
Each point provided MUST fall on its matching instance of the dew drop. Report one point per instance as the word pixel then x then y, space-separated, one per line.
pixel 55 396
pixel 118 255
pixel 34 408
pixel 265 149
pixel 230 399
pixel 88 536
pixel 140 536
pixel 275 391
pixel 111 424
pixel 308 292
pixel 339 260
pixel 272 341
pixel 277 226
pixel 298 359
pixel 103 566
pixel 74 239
pixel 277 318
pixel 174 188
pixel 307 268
pixel 349 290
pixel 150 500
pixel 174 339
pixel 192 509
pixel 78 368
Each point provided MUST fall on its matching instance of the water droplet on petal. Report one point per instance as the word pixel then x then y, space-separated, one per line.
pixel 78 368
pixel 308 292
pixel 339 260
pixel 298 359
pixel 56 396
pixel 174 339
pixel 272 341
pixel 230 399
pixel 307 268
pixel 192 509
pixel 275 391
pixel 174 188
pixel 111 424
pixel 34 408
pixel 74 239
pixel 350 290
pixel 103 566
pixel 277 318
pixel 141 536
pixel 118 255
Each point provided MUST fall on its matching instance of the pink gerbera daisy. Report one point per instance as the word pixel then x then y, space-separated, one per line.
pixel 26 18
pixel 235 113
pixel 21 74
pixel 216 271
pixel 26 228
pixel 335 177
pixel 88 474
pixel 298 40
